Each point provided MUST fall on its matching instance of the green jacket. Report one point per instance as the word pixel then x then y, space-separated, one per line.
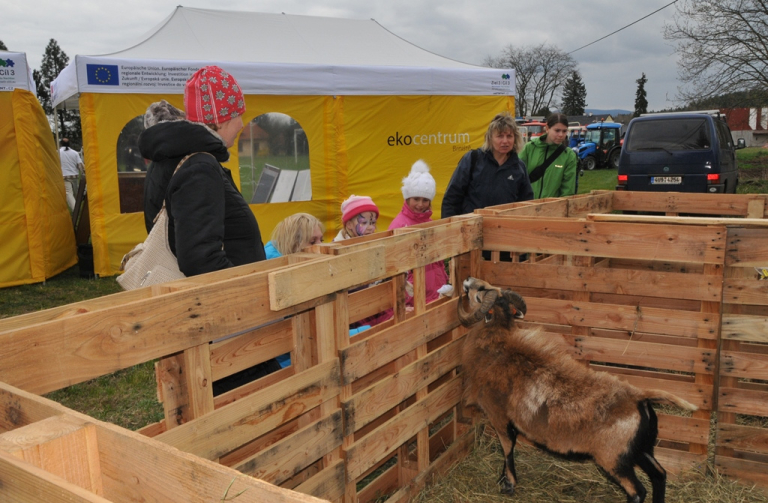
pixel 559 179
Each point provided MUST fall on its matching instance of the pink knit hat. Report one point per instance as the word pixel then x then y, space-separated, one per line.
pixel 212 96
pixel 354 205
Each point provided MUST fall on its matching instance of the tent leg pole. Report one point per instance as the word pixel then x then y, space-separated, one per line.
pixel 56 124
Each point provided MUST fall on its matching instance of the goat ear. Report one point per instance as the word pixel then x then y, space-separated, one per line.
pixel 517 302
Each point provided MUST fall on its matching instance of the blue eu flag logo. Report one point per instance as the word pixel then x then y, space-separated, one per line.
pixel 103 75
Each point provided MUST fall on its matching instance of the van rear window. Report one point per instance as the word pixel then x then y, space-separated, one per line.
pixel 669 134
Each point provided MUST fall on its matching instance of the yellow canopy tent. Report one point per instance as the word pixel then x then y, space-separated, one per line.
pixel 369 104
pixel 38 240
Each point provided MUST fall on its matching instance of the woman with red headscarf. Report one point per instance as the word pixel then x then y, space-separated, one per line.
pixel 210 225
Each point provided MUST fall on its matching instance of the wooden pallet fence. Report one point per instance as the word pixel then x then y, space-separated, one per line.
pixel 625 281
pixel 638 300
pixel 741 449
pixel 326 425
pixel 400 386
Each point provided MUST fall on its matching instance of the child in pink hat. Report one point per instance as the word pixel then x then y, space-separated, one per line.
pixel 358 217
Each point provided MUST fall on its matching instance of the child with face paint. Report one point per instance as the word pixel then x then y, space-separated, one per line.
pixel 419 191
pixel 358 216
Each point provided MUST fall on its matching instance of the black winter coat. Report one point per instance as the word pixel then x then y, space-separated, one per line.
pixel 211 227
pixel 488 185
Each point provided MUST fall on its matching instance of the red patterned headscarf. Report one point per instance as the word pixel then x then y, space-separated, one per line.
pixel 212 96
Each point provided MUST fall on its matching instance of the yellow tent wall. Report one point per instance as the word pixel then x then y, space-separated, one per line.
pixel 352 149
pixel 36 232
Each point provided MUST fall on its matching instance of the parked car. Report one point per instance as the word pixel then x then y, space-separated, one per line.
pixel 680 152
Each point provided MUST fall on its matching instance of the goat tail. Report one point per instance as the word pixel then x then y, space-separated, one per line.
pixel 658 395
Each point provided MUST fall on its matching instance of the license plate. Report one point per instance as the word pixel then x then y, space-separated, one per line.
pixel 666 180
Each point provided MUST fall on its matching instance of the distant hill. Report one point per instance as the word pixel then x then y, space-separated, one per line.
pixel 614 111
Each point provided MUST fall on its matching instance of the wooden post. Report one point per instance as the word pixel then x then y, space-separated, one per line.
pixel 185 385
pixel 420 305
pixel 715 270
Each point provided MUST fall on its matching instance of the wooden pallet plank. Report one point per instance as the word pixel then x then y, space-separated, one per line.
pixel 389 436
pixel 386 483
pixel 98 343
pixel 110 301
pixel 748 438
pixel 698 394
pixel 421 246
pixel 659 356
pixel 683 429
pixel 603 280
pixel 366 356
pixel 743 401
pixel 674 243
pixel 289 456
pixel 369 301
pixel 677 220
pixel 747 248
pixel 233 425
pixel 746 290
pixel 619 317
pixel 20 408
pixel 743 470
pixel 26 483
pixel 746 365
pixel 585 204
pixel 678 462
pixel 244 351
pixel 64 446
pixel 555 207
pixel 135 468
pixel 327 484
pixel 304 282
pixel 377 399
pixel 671 202
pixel 745 328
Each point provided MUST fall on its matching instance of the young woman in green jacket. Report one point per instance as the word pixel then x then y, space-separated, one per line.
pixel 559 178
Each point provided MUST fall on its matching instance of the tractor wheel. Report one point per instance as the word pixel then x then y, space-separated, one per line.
pixel 613 159
pixel 590 163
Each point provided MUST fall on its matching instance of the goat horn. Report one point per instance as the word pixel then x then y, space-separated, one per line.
pixel 488 300
pixel 465 318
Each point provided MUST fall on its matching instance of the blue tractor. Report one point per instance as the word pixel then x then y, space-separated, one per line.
pixel 601 146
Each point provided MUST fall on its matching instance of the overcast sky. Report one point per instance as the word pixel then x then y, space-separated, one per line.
pixel 464 30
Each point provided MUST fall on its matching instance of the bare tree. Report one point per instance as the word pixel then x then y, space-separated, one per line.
pixel 722 46
pixel 540 73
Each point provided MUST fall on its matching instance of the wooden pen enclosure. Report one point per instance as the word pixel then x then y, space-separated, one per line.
pixel 663 300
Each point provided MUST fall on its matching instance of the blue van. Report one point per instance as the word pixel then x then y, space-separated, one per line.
pixel 679 152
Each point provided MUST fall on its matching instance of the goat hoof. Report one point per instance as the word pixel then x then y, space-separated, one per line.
pixel 506 486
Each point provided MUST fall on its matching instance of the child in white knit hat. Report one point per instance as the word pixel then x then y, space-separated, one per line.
pixel 418 192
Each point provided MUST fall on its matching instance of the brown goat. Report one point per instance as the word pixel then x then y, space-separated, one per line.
pixel 528 385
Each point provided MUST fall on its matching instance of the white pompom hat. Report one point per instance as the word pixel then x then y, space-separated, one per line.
pixel 419 183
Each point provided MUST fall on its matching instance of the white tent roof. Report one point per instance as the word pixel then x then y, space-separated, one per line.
pixel 15 72
pixel 278 54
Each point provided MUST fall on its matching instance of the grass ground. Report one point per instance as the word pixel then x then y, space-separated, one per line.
pixel 543 478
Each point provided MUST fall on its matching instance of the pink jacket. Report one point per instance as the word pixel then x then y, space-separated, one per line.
pixel 434 273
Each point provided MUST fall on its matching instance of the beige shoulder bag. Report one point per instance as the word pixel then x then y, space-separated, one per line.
pixel 152 261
